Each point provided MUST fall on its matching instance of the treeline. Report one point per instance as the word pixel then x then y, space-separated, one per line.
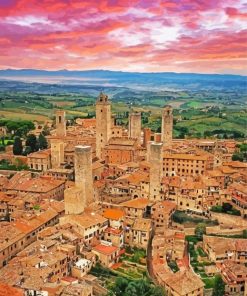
pixel 18 128
pixel 241 154
pixel 32 144
pixel 224 134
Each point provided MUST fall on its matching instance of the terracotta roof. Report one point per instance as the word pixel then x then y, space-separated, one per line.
pixel 6 290
pixel 113 231
pixel 166 206
pixel 113 214
pixel 86 219
pixel 142 224
pixel 40 154
pixel 27 226
pixel 135 178
pixel 179 235
pixel 107 250
pixel 38 185
pixel 184 282
pixel 239 187
pixel 236 164
pixel 222 244
pixel 185 156
pixel 138 203
pixel 122 141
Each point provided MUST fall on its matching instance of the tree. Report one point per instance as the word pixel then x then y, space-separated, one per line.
pixel 120 286
pixel 32 142
pixel 237 157
pixel 17 147
pixel 142 287
pixel 20 127
pixel 219 287
pixel 27 150
pixel 200 230
pixel 226 207
pixel 43 144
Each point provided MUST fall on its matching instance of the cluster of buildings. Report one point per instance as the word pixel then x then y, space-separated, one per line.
pixel 99 188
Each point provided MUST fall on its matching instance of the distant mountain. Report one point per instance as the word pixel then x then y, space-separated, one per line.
pixel 133 80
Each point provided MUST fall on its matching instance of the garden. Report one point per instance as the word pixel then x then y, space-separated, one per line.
pixel 226 208
pixel 190 220
pixel 198 260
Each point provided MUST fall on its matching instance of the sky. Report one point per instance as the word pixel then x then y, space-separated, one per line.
pixel 200 36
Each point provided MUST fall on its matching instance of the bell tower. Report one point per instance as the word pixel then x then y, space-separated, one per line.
pixel 103 123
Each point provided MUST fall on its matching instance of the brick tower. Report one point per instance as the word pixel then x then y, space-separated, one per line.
pixel 155 158
pixel 167 125
pixel 135 126
pixel 83 171
pixel 60 123
pixel 57 153
pixel 103 123
pixel 78 197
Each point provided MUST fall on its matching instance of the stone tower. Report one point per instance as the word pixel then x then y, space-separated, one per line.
pixel 146 136
pixel 155 158
pixel 167 125
pixel 57 153
pixel 103 123
pixel 74 201
pixel 60 123
pixel 83 171
pixel 135 126
pixel 218 155
pixel 78 197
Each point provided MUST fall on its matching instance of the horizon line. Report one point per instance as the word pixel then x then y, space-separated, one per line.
pixel 123 71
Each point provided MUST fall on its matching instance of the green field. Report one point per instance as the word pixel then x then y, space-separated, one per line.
pixel 200 115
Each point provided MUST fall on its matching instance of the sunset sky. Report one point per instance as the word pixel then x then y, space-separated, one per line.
pixel 204 36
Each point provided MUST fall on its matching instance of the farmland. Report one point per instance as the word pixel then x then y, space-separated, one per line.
pixel 199 114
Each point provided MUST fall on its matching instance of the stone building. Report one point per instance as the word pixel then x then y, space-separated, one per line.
pixel 120 150
pixel 40 160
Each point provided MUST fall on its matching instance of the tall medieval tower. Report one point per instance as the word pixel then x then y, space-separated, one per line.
pixel 78 197
pixel 155 158
pixel 57 152
pixel 60 123
pixel 83 171
pixel 135 126
pixel 103 123
pixel 167 125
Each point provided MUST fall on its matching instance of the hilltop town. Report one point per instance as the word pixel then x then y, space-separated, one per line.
pixel 105 203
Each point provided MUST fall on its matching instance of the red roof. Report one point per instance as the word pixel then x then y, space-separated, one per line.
pixel 114 231
pixel 6 290
pixel 179 235
pixel 113 214
pixel 107 250
pixel 69 279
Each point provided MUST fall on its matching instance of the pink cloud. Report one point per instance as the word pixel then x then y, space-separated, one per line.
pixel 165 35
